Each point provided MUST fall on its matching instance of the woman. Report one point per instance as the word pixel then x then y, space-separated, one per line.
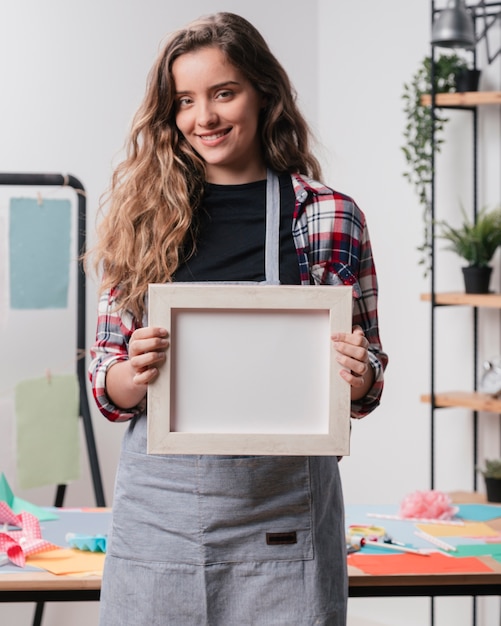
pixel 217 132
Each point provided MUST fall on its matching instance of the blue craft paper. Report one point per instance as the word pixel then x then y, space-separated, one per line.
pixel 479 512
pixel 39 236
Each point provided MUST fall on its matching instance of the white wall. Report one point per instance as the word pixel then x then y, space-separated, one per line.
pixel 72 75
pixel 368 50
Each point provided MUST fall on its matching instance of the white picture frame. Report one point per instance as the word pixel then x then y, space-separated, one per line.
pixel 251 370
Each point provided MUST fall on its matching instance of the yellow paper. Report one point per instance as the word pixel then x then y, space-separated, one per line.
pixel 68 561
pixel 469 529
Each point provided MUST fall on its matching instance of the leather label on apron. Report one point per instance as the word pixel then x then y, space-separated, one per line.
pixel 281 539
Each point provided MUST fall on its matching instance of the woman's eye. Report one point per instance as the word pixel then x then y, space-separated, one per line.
pixel 183 102
pixel 223 95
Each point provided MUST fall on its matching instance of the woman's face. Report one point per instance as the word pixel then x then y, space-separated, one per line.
pixel 217 111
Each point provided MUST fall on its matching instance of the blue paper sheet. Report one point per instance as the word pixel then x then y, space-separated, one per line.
pixel 39 238
pixel 479 512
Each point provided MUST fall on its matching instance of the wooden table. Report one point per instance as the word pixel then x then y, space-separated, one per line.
pixel 20 585
pixel 40 586
pixel 432 585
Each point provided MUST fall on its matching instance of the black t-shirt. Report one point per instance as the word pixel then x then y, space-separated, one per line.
pixel 230 230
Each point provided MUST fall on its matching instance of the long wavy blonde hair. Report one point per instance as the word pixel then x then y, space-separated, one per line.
pixel 155 191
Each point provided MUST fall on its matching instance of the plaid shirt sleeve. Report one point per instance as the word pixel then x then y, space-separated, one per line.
pixel 114 329
pixel 334 248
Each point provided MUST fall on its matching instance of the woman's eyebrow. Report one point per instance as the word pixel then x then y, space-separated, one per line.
pixel 226 83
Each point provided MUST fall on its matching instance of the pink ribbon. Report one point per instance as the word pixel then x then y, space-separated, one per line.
pixel 19 544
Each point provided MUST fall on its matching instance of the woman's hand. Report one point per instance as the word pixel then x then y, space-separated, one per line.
pixel 353 355
pixel 147 351
pixel 127 381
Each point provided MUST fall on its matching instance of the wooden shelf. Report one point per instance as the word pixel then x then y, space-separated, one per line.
pixel 465 99
pixel 465 399
pixel 485 300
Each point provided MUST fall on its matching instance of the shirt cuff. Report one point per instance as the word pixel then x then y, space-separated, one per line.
pixel 367 404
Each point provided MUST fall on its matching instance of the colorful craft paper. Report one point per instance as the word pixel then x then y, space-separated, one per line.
pixel 480 549
pixel 473 529
pixel 479 512
pixel 19 544
pixel 39 253
pixel 48 448
pixel 17 505
pixel 436 563
pixel 69 561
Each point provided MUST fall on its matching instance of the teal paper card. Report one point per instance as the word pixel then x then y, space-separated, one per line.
pixel 39 237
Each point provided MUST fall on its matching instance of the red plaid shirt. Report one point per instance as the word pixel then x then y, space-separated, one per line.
pixel 333 247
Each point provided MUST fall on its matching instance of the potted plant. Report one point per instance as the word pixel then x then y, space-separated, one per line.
pixel 418 131
pixel 475 241
pixel 467 80
pixel 492 477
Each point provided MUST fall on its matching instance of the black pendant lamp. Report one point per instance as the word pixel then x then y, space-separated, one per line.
pixel 454 27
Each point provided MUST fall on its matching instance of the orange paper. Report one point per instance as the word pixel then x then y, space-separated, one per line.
pixel 69 561
pixel 436 563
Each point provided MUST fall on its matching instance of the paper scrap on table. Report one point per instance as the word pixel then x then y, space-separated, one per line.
pixel 18 504
pixel 473 529
pixel 480 549
pixel 39 258
pixel 479 512
pixel 436 563
pixel 48 449
pixel 69 561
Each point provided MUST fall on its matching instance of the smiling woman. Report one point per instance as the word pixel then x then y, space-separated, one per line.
pixel 219 185
pixel 217 111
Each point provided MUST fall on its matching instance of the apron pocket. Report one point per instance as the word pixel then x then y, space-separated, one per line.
pixel 212 509
pixel 255 509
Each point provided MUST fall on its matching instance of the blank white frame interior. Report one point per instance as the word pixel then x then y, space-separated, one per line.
pixel 251 369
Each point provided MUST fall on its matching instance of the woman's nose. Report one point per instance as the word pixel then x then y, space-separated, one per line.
pixel 206 114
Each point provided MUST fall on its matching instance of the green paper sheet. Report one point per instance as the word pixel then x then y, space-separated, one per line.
pixel 484 549
pixel 48 448
pixel 39 238
pixel 18 504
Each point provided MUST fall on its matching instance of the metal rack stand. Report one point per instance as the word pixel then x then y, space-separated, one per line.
pixel 486 13
pixel 61 180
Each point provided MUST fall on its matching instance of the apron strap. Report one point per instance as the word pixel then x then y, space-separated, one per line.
pixel 272 242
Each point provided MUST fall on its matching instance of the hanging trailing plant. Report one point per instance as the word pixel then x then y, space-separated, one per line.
pixel 418 133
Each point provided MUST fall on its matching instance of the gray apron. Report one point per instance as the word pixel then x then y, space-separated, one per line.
pixel 226 540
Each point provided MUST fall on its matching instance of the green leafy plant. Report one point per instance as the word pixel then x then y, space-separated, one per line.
pixel 417 148
pixel 492 468
pixel 476 241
